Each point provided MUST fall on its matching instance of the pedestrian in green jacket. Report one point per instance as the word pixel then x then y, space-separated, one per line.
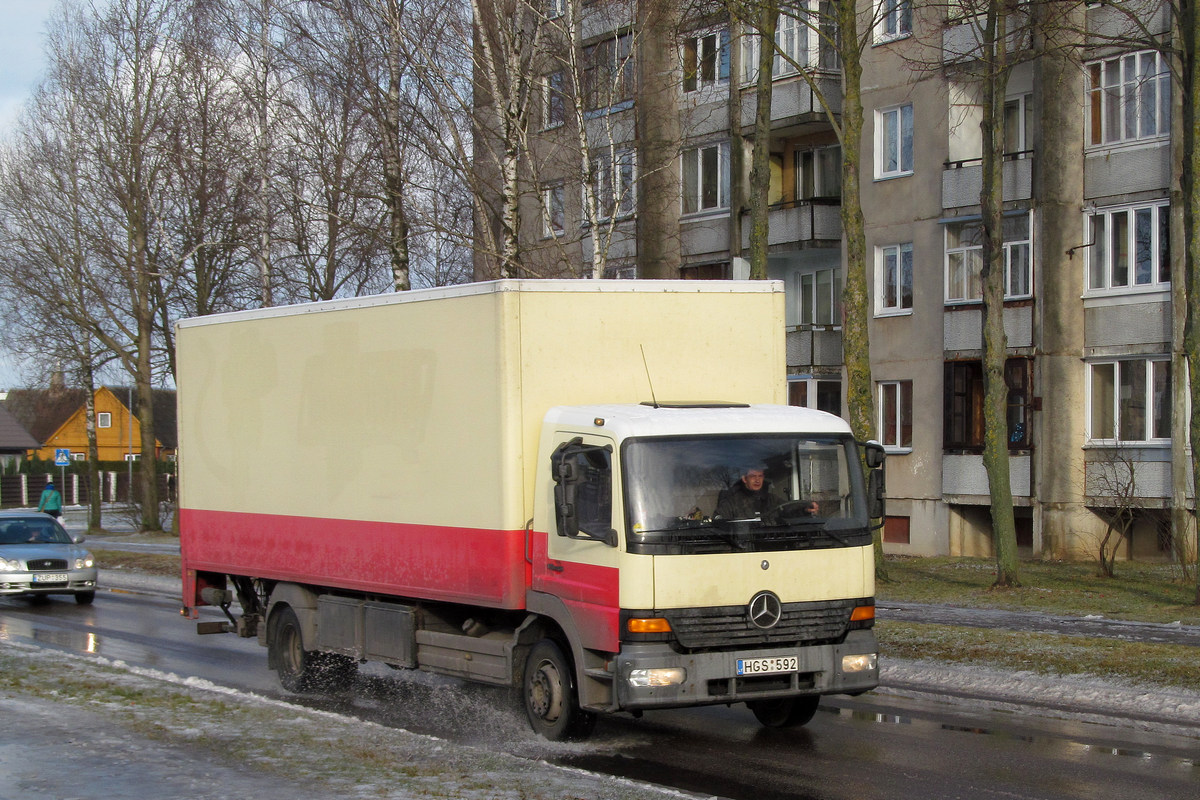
pixel 51 501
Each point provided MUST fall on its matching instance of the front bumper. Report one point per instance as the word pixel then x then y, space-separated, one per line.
pixel 711 678
pixel 29 583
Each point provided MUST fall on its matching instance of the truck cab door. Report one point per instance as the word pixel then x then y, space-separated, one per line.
pixel 578 562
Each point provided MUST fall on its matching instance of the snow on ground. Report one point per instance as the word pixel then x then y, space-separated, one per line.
pixel 1080 697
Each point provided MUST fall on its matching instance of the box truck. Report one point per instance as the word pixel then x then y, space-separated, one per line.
pixel 590 491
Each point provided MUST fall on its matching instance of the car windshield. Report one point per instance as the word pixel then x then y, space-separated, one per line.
pixel 748 492
pixel 30 530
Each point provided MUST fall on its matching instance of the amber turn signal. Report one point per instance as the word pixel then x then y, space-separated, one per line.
pixel 653 625
pixel 862 614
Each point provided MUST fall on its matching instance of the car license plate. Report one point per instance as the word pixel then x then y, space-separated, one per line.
pixel 768 666
pixel 50 577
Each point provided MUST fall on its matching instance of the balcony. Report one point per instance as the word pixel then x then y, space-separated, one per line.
pixel 799 222
pixel 794 104
pixel 810 346
pixel 963 180
pixel 962 39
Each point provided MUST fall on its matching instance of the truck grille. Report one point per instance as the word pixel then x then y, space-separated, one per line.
pixel 38 564
pixel 728 627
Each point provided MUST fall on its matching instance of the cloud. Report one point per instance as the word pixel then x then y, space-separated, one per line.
pixel 22 62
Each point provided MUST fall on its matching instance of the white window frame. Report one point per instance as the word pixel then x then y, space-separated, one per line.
pixel 893 20
pixel 706 54
pixel 900 389
pixel 133 456
pixel 614 181
pixel 812 384
pixel 1017 133
pixel 1130 96
pixel 821 167
pixel 556 8
pixel 103 419
pixel 893 126
pixel 79 456
pixel 1149 367
pixel 698 175
pixel 554 218
pixel 797 42
pixel 963 263
pixel 1103 274
pixel 889 288
pixel 810 292
pixel 551 93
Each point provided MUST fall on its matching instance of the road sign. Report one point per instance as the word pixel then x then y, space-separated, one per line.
pixel 62 457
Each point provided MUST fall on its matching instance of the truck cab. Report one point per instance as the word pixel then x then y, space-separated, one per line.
pixel 678 595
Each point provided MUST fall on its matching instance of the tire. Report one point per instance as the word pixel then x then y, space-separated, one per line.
pixel 287 653
pixel 550 699
pixel 85 598
pixel 303 670
pixel 789 712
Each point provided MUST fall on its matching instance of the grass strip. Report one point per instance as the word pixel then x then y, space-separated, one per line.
pixel 1165 665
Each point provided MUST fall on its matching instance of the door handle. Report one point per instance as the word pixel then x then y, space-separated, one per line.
pixel 555 567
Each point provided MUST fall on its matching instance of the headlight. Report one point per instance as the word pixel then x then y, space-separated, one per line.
pixel 86 562
pixel 860 663
pixel 664 676
pixel 11 565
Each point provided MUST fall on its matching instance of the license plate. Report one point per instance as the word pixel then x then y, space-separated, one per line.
pixel 50 577
pixel 768 666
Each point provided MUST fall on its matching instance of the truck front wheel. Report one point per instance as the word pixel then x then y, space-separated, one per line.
pixel 790 712
pixel 551 702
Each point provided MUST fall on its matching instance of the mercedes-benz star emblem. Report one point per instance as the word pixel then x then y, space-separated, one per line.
pixel 765 610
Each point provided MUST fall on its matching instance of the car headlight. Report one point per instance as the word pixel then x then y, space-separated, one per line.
pixel 86 562
pixel 11 565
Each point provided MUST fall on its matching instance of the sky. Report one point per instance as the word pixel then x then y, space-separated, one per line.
pixel 22 63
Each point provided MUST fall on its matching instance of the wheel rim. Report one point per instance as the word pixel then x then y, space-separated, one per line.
pixel 546 692
pixel 293 654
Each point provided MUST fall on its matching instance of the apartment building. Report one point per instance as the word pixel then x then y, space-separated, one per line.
pixel 1087 174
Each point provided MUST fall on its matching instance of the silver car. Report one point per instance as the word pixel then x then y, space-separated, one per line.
pixel 39 557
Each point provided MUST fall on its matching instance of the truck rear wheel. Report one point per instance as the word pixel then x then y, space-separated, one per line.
pixel 551 702
pixel 303 670
pixel 790 712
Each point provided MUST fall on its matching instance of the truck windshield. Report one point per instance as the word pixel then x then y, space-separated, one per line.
pixel 743 493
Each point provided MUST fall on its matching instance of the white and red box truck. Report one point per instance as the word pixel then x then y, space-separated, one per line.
pixel 549 485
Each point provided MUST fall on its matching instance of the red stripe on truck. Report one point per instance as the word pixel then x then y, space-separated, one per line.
pixel 465 565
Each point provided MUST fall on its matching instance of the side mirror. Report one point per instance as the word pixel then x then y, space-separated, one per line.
pixel 77 538
pixel 873 454
pixel 876 495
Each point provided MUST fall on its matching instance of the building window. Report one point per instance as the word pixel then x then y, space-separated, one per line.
pixel 133 456
pixel 104 419
pixel 1129 98
pixel 705 60
pixel 1018 112
pixel 820 297
pixel 556 8
pixel 895 20
pixel 803 40
pixel 716 271
pixel 554 222
pixel 963 428
pixel 894 142
pixel 1130 400
pixel 819 173
pixel 613 181
pixel 554 99
pixel 895 414
pixel 894 278
pixel 896 530
pixel 706 178
pixel 818 393
pixel 1130 248
pixel 964 259
pixel 608 74
pixel 79 456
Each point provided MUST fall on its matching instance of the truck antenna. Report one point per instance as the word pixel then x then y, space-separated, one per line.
pixel 649 380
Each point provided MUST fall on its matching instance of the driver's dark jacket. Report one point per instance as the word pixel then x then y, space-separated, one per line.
pixel 739 502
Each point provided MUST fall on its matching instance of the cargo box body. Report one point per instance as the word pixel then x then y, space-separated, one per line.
pixel 387 445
